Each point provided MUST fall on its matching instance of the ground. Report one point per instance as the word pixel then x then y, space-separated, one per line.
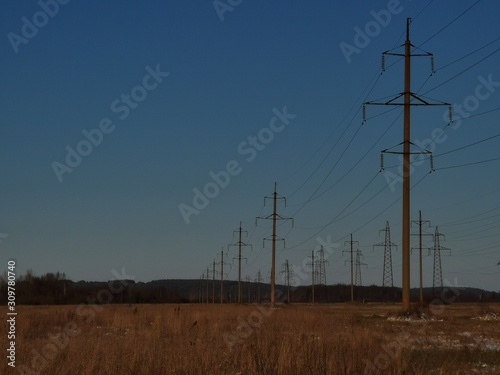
pixel 254 339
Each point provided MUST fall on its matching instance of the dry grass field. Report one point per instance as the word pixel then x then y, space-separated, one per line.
pixel 254 339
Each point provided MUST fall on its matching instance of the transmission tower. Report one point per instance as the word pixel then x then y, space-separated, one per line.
pixel 313 273
pixel 288 274
pixel 321 266
pixel 274 217
pixel 421 223
pixel 351 243
pixel 387 280
pixel 408 96
pixel 358 267
pixel 437 274
pixel 221 263
pixel 213 282
pixel 240 244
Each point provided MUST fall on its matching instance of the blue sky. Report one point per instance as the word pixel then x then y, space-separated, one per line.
pixel 229 74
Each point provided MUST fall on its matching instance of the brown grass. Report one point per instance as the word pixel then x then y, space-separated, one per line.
pixel 247 339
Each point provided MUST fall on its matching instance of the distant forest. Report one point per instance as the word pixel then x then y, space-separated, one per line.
pixel 55 289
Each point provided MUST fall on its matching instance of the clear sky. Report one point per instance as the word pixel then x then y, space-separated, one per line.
pixel 114 113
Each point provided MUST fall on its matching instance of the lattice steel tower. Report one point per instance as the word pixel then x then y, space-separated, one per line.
pixel 358 268
pixel 387 279
pixel 437 274
pixel 320 264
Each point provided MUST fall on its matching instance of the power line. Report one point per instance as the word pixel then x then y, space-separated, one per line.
pixel 333 220
pixel 376 76
pixel 450 23
pixel 468 54
pixel 469 145
pixel 463 71
pixel 349 171
pixel 468 164
pixel 421 10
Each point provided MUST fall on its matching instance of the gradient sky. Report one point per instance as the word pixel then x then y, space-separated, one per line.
pixel 120 206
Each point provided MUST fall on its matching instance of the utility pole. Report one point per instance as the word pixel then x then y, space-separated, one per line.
pixel 387 279
pixel 437 274
pixel 240 244
pixel 351 243
pixel 274 217
pixel 221 275
pixel 420 223
pixel 407 95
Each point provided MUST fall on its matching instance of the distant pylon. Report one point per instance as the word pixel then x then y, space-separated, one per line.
pixel 421 223
pixel 321 280
pixel 288 273
pixel 358 268
pixel 221 263
pixel 274 217
pixel 437 274
pixel 313 273
pixel 387 279
pixel 351 243
pixel 240 244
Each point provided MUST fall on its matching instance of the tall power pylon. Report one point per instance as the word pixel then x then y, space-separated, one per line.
pixel 213 282
pixel 321 269
pixel 313 273
pixel 359 254
pixel 408 96
pixel 421 223
pixel 240 244
pixel 274 217
pixel 221 263
pixel 437 274
pixel 387 279
pixel 351 243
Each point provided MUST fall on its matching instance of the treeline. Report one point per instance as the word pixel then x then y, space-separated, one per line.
pixel 56 289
